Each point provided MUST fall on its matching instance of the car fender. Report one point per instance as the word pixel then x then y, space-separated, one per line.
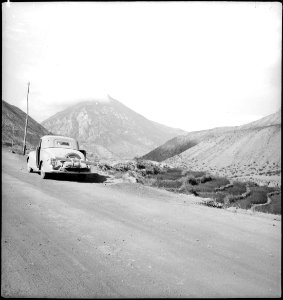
pixel 31 160
pixel 45 158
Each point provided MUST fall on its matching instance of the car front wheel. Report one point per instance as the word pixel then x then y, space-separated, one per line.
pixel 30 170
pixel 43 174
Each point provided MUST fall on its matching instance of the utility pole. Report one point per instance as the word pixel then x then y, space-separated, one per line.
pixel 24 145
pixel 13 136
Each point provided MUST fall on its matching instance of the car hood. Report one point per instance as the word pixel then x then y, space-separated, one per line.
pixel 62 152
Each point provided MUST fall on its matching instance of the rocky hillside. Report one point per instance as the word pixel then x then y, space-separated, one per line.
pixel 251 151
pixel 109 129
pixel 13 126
pixel 182 143
pixel 274 119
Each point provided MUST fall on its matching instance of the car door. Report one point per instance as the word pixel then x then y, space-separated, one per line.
pixel 38 148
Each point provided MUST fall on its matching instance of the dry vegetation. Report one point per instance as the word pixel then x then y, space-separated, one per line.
pixel 220 191
pixel 274 207
pixel 268 173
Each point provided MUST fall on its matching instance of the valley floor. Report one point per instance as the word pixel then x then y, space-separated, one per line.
pixel 66 239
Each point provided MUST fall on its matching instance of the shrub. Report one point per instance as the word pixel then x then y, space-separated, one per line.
pixel 167 183
pixel 170 174
pixel 204 178
pixel 274 207
pixel 237 188
pixel 148 171
pixel 194 192
pixel 209 186
pixel 140 165
pixel 104 166
pixel 213 203
pixel 192 180
pixel 124 167
pixel 256 195
pixel 194 173
pixel 251 184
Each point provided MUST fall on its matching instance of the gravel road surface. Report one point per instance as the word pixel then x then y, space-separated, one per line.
pixel 66 239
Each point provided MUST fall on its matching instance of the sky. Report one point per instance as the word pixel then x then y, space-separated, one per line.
pixel 188 65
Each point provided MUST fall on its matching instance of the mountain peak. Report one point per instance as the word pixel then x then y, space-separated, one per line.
pixel 109 128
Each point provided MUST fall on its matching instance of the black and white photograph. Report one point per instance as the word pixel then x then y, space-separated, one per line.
pixel 141 149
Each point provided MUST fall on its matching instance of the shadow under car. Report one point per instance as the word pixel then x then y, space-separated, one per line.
pixel 88 178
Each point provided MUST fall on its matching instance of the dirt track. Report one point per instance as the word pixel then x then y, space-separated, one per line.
pixel 78 239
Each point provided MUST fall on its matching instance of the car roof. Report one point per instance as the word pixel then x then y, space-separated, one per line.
pixel 56 137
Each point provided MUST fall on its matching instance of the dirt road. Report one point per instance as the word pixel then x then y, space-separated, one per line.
pixel 87 239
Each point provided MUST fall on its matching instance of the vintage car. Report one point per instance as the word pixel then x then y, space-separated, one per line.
pixel 58 154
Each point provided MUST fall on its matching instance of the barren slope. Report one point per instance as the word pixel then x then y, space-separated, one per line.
pixel 274 119
pixel 85 240
pixel 182 143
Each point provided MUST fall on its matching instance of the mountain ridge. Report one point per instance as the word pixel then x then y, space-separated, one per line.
pixel 272 119
pixel 13 125
pixel 179 144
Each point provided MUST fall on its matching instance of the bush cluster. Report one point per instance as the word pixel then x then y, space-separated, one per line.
pixel 192 180
pixel 167 183
pixel 274 207
pixel 212 203
pixel 223 192
pixel 232 198
pixel 142 167
pixel 104 166
pixel 124 167
pixel 204 178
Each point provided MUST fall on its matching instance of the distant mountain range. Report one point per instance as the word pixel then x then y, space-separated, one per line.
pixel 250 149
pixel 109 129
pixel 13 126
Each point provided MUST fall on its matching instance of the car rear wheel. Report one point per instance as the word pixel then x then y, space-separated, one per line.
pixel 30 170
